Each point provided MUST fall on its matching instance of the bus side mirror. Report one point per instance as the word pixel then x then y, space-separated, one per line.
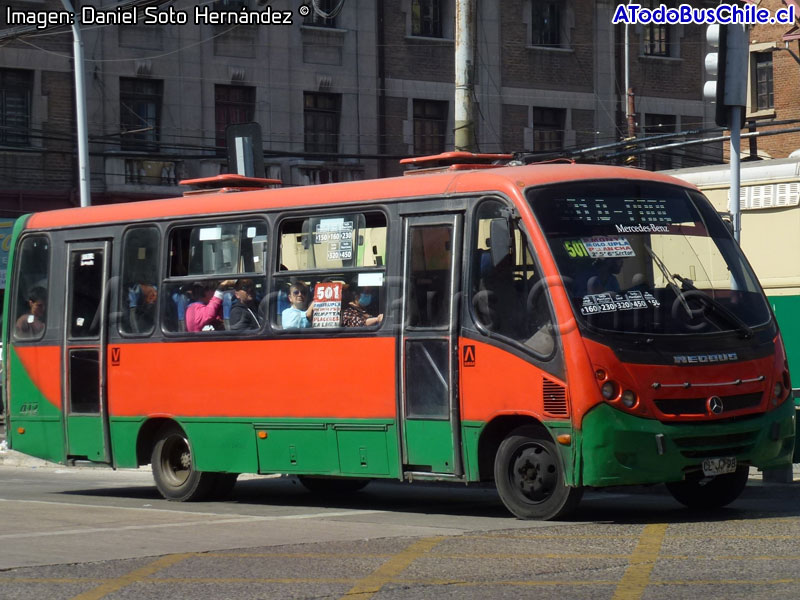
pixel 500 240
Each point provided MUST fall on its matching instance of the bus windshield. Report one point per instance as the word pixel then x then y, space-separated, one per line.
pixel 649 258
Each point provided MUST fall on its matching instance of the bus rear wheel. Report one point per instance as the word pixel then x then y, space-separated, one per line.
pixel 173 468
pixel 701 493
pixel 529 476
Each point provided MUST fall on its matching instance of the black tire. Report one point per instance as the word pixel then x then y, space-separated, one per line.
pixel 529 476
pixel 173 468
pixel 332 486
pixel 222 486
pixel 701 493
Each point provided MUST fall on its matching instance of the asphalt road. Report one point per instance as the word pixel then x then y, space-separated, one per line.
pixel 89 534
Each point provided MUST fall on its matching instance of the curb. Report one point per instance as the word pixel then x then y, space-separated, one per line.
pixel 10 458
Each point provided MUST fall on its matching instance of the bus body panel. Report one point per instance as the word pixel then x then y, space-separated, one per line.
pixel 34 402
pixel 293 378
pixel 621 449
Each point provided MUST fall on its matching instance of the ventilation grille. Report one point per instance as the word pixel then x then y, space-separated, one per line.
pixel 698 406
pixel 555 398
pixel 771 195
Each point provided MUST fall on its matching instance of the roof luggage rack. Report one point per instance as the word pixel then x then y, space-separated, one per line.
pixel 227 183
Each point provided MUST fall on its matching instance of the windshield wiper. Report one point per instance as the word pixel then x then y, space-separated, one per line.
pixel 716 306
pixel 686 285
pixel 670 280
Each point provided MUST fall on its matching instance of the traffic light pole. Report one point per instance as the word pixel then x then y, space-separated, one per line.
pixel 734 204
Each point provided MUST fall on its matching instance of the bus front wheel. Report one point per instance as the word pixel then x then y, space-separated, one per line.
pixel 701 493
pixel 173 468
pixel 529 476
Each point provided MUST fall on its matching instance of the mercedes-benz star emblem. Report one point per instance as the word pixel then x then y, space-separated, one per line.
pixel 715 405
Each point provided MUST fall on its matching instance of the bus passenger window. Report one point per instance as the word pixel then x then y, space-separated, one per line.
pixel 509 297
pixel 30 303
pixel 139 292
pixel 330 272
pixel 216 278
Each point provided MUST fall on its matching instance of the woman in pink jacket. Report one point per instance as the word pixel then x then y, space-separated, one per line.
pixel 205 312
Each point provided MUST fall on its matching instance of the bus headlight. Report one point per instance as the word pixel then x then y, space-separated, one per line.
pixel 610 390
pixel 777 393
pixel 628 398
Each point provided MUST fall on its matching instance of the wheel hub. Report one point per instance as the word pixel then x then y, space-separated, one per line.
pixel 535 473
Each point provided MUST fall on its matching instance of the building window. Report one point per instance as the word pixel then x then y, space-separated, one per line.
pixel 430 124
pixel 319 9
pixel 16 86
pixel 548 129
pixel 140 113
pixel 233 104
pixel 546 23
pixel 655 125
pixel 655 37
pixel 763 79
pixel 321 118
pixel 426 18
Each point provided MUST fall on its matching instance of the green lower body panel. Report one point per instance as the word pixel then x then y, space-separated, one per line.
pixel 41 437
pixel 621 449
pixel 364 448
pixel 360 449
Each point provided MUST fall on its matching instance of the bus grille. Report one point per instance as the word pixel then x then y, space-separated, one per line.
pixel 555 398
pixel 716 445
pixel 697 406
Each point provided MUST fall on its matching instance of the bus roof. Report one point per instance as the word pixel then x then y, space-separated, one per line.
pixel 504 179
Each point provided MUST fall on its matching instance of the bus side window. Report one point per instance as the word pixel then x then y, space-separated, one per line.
pixel 139 289
pixel 330 259
pixel 509 297
pixel 219 265
pixel 30 302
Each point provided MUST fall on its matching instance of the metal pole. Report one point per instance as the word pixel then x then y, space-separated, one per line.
pixel 464 134
pixel 734 203
pixel 80 109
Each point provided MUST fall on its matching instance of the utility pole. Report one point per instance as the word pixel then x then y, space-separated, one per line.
pixel 630 110
pixel 80 108
pixel 464 134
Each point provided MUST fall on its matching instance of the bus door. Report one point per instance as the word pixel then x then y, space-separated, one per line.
pixel 84 376
pixel 429 400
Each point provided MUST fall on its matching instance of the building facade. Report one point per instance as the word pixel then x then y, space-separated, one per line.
pixel 340 94
pixel 773 82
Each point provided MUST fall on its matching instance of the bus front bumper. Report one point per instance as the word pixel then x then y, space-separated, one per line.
pixel 621 449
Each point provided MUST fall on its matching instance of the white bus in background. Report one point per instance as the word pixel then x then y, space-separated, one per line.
pixel 769 201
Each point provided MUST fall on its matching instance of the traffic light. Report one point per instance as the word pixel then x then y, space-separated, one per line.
pixel 729 66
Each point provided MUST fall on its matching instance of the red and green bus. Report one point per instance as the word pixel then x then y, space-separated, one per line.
pixel 547 328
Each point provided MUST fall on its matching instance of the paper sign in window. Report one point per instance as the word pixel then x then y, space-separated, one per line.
pixel 327 304
pixel 612 246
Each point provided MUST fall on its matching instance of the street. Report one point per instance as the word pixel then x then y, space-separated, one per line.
pixel 93 533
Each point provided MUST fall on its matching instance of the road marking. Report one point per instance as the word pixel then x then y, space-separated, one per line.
pixel 173 511
pixel 371 584
pixel 227 521
pixel 133 577
pixel 637 575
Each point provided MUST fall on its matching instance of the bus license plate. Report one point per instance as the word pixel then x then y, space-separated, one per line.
pixel 719 466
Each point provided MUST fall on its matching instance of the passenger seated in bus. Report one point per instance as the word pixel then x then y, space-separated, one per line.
pixel 205 311
pixel 298 315
pixel 142 307
pixel 601 277
pixel 244 310
pixel 31 324
pixel 356 300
